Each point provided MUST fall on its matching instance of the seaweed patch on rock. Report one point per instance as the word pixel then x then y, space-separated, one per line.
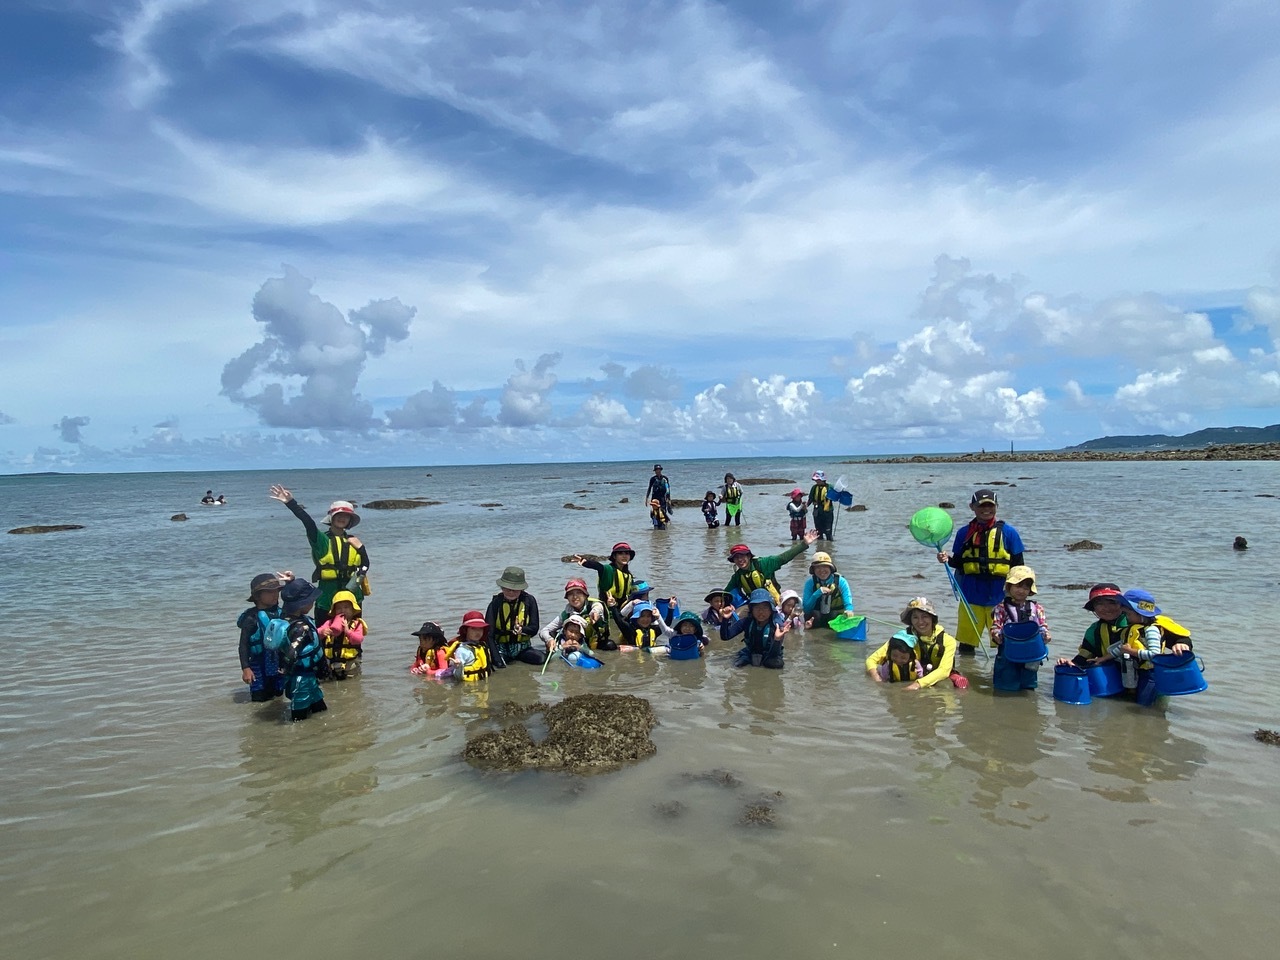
pixel 760 813
pixel 591 732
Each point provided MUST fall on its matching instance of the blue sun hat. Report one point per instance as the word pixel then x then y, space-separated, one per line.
pixel 640 608
pixel 761 595
pixel 640 589
pixel 1140 602
pixel 296 596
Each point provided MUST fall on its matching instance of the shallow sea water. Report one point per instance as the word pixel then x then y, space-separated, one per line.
pixel 149 809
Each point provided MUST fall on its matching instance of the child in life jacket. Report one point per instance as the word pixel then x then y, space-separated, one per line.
pixel 1150 633
pixel 571 640
pixel 1111 625
pixel 902 666
pixel 468 654
pixel 709 509
pixel 302 649
pixel 343 636
pixel 644 628
pixel 935 648
pixel 1017 607
pixel 761 633
pixel 431 658
pixel 577 601
pixel 658 515
pixel 259 665
pixel 719 608
pixel 731 497
pixel 687 633
pixel 790 610
pixel 797 510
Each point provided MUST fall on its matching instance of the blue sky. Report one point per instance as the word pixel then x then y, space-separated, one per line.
pixel 239 234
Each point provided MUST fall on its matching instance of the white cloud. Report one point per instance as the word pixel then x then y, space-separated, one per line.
pixel 524 401
pixel 309 339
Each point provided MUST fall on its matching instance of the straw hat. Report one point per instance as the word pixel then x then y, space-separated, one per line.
pixel 918 603
pixel 1020 574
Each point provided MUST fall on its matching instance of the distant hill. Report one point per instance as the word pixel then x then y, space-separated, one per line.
pixel 1190 441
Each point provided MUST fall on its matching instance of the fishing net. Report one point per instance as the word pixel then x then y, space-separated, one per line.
pixel 931 526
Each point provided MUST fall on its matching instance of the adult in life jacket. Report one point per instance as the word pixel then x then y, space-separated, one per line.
pixel 731 497
pixel 824 509
pixel 343 637
pixel 259 665
pixel 983 551
pixel 753 573
pixel 935 648
pixel 614 580
pixel 577 601
pixel 1150 633
pixel 760 631
pixel 342 561
pixel 513 622
pixel 826 593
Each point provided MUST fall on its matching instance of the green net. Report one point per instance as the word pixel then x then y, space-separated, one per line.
pixel 931 526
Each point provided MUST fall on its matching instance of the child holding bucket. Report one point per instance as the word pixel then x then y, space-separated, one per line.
pixel 1111 626
pixel 935 648
pixel 1017 607
pixel 1150 633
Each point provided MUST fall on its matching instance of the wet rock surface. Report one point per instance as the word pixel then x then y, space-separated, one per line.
pixel 406 504
pixel 947 505
pixel 761 481
pixel 1267 736
pixel 574 506
pixel 48 528
pixel 179 516
pixel 1083 545
pixel 586 733
pixel 1229 451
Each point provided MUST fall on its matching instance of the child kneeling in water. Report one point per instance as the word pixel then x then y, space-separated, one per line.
pixel 1150 633
pixel 935 648
pixel 687 637
pixel 645 628
pixel 902 665
pixel 762 634
pixel 571 640
pixel 431 658
pixel 468 654
pixel 343 635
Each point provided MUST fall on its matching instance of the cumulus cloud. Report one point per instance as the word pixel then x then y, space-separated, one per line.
pixel 601 411
pixel 938 382
pixel 524 401
pixel 69 428
pixel 750 409
pixel 426 410
pixel 307 341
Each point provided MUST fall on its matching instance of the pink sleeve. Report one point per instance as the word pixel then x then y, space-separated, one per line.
pixel 1037 612
pixel 325 630
pixel 355 631
pixel 998 618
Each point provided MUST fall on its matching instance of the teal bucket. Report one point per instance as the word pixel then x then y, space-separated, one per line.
pixel 1070 684
pixel 1104 678
pixel 1178 674
pixel 855 627
pixel 1023 642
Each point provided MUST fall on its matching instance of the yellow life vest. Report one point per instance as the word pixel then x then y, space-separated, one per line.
pixel 753 579
pixel 623 584
pixel 818 498
pixel 988 557
pixel 339 560
pixel 478 669
pixel 1171 632
pixel 646 637
pixel 509 621
pixel 902 672
pixel 345 651
pixel 930 650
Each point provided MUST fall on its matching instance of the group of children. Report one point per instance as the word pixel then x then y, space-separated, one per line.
pixel 285 651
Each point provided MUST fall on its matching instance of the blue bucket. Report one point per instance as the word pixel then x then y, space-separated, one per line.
pixel 1023 642
pixel 1070 684
pixel 1178 674
pixel 666 610
pixel 581 659
pixel 683 646
pixel 855 628
pixel 1104 678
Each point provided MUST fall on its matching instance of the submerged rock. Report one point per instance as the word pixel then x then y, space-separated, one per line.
pixel 1267 736
pixel 760 481
pixel 585 733
pixel 1240 544
pixel 947 505
pixel 407 504
pixel 721 778
pixel 50 528
pixel 179 516
pixel 574 506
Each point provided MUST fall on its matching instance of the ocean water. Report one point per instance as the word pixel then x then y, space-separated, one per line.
pixel 150 810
